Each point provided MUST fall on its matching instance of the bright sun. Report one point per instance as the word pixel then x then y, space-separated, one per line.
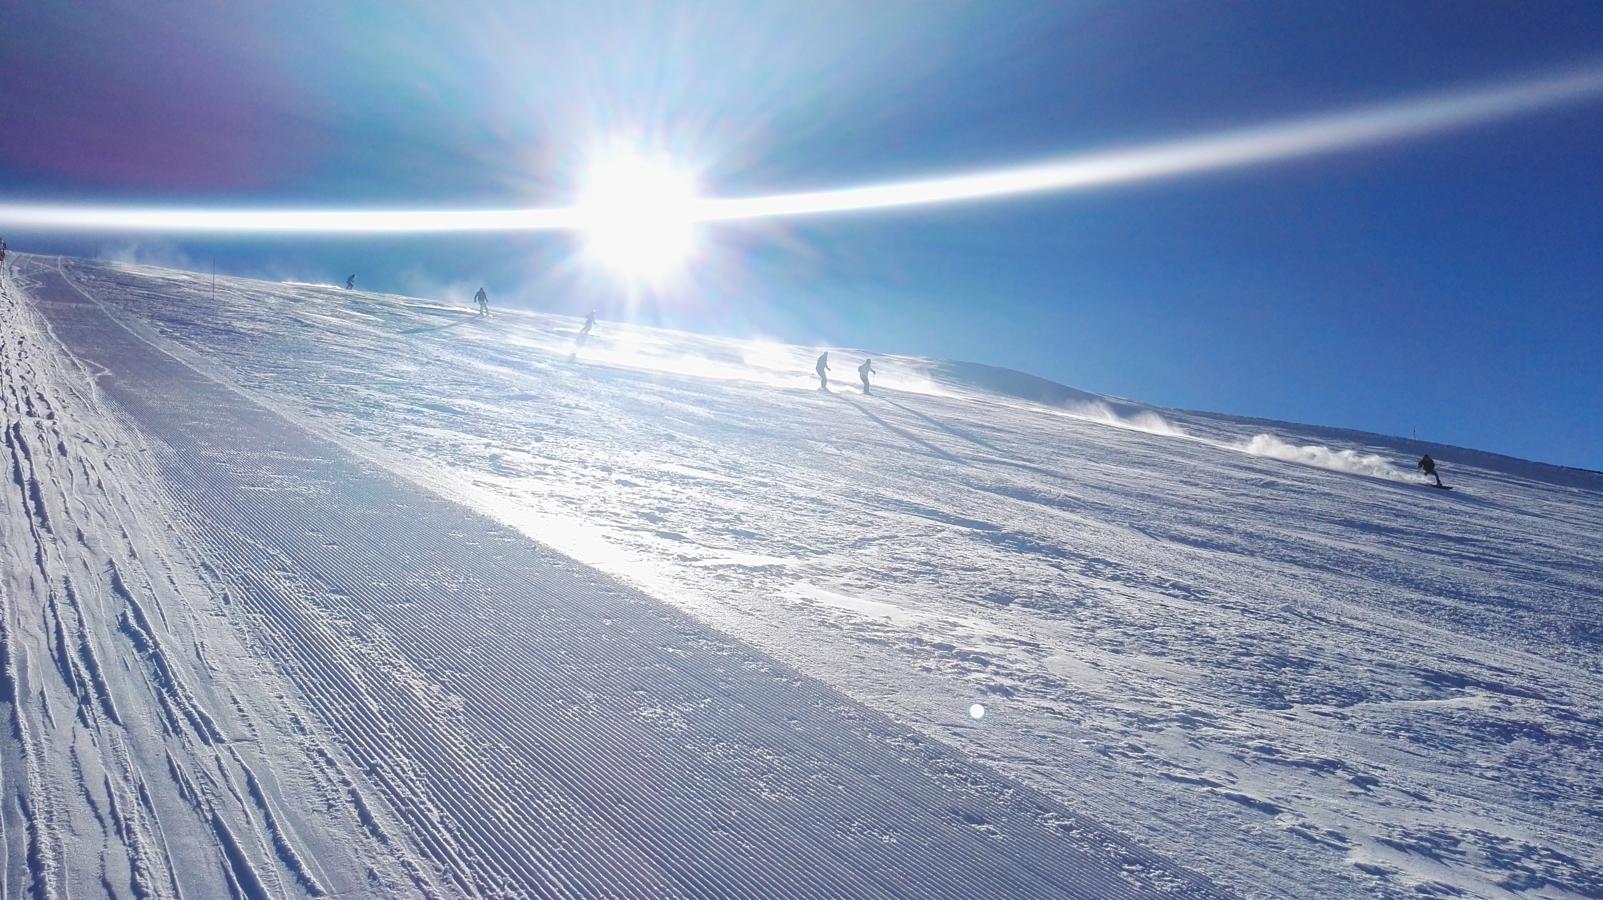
pixel 637 217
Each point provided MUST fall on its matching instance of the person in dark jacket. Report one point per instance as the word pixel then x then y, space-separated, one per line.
pixel 350 283
pixel 1428 466
pixel 483 300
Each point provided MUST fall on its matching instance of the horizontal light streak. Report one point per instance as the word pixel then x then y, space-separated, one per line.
pixel 1305 137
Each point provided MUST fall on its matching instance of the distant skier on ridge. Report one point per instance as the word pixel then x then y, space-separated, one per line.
pixel 823 367
pixel 865 370
pixel 350 283
pixel 483 300
pixel 589 323
pixel 1428 466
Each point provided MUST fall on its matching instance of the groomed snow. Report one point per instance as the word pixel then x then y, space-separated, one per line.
pixel 1267 652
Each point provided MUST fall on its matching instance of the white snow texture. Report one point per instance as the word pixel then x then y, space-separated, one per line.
pixel 1265 652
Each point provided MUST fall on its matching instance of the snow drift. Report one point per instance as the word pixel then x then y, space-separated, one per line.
pixel 1134 419
pixel 1370 464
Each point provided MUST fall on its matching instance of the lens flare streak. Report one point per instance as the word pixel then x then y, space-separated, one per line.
pixel 1234 149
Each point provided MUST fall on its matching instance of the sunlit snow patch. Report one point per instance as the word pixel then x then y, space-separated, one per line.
pixel 626 354
pixel 858 606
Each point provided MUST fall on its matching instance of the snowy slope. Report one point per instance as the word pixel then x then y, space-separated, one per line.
pixel 1267 652
pixel 418 700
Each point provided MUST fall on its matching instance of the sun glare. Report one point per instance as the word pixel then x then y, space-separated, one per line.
pixel 638 217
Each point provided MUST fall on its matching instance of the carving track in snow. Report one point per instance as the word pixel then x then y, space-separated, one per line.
pixel 540 729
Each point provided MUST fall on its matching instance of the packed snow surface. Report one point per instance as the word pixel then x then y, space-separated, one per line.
pixel 1269 653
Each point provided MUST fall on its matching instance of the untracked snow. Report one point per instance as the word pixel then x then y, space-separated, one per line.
pixel 1270 653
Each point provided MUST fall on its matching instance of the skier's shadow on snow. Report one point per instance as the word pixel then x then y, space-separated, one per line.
pixel 899 432
pixel 428 328
pixel 949 429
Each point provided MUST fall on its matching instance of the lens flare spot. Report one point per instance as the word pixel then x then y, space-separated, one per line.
pixel 977 711
pixel 638 217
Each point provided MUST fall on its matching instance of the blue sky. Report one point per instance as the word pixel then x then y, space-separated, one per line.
pixel 1448 285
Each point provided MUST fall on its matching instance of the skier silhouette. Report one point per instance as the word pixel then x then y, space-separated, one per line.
pixel 589 323
pixel 350 282
pixel 1428 466
pixel 865 370
pixel 822 367
pixel 483 300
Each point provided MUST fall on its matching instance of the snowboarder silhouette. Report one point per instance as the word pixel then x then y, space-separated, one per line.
pixel 865 370
pixel 1428 466
pixel 822 367
pixel 350 283
pixel 589 323
pixel 483 300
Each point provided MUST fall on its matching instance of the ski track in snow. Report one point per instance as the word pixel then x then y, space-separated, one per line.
pixel 1278 660
pixel 465 711
pixel 146 751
